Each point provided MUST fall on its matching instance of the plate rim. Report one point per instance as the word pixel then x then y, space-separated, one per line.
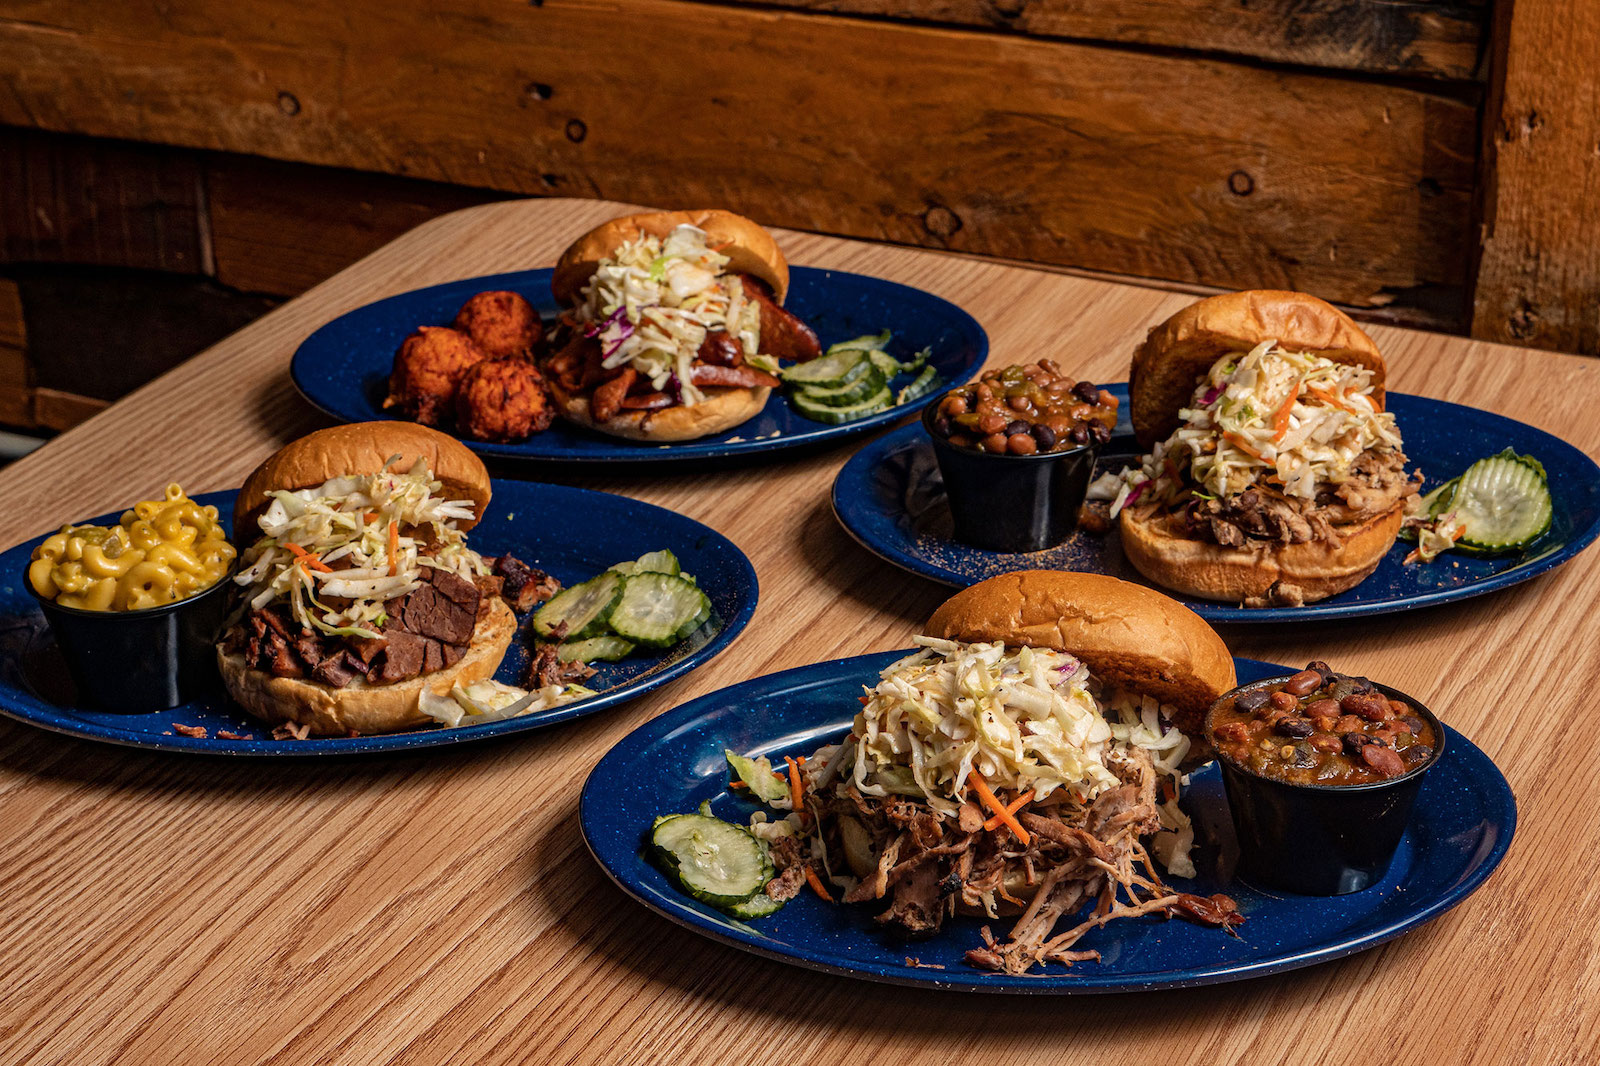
pixel 860 465
pixel 686 451
pixel 1464 885
pixel 59 720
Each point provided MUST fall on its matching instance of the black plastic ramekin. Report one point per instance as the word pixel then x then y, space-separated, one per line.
pixel 1320 840
pixel 1012 503
pixel 144 660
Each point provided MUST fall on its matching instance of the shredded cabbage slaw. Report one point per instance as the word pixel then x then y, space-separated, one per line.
pixel 652 302
pixel 1024 718
pixel 1293 417
pixel 339 552
pixel 493 701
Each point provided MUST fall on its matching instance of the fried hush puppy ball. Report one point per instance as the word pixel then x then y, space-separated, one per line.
pixel 503 324
pixel 427 371
pixel 503 400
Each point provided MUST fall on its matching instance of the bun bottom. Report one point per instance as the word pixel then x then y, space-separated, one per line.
pixel 721 410
pixel 1262 574
pixel 360 707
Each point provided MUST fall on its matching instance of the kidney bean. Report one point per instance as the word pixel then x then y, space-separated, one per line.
pixel 1329 745
pixel 1283 701
pixel 1323 709
pixel 1020 403
pixel 1384 760
pixel 1045 436
pixel 1086 392
pixel 1372 708
pixel 1322 668
pixel 1252 701
pixel 1413 724
pixel 1079 434
pixel 1349 724
pixel 1298 728
pixel 954 404
pixel 1398 708
pixel 1417 754
pixel 1354 742
pixel 943 426
pixel 991 423
pixel 1105 399
pixel 1021 444
pixel 1304 683
pixel 994 442
pixel 1100 432
pixel 1015 426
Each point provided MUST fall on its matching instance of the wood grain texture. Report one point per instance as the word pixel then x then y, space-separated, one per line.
pixel 1429 38
pixel 441 907
pixel 281 228
pixel 1538 279
pixel 1165 167
pixel 77 200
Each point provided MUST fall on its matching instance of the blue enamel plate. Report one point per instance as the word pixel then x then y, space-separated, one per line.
pixel 890 498
pixel 1462 825
pixel 343 368
pixel 570 533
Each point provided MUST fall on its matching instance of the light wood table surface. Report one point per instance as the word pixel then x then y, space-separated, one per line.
pixel 441 905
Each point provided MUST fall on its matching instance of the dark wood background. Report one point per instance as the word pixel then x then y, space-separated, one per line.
pixel 169 171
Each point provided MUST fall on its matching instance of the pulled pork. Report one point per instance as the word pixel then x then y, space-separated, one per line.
pixel 1377 482
pixel 928 863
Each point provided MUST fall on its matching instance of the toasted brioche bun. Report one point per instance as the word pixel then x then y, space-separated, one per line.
pixel 1262 573
pixel 1128 635
pixel 360 707
pixel 1176 354
pixel 749 248
pixel 363 448
pixel 722 409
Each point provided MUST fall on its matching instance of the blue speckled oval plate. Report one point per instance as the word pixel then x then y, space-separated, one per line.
pixel 890 498
pixel 343 368
pixel 1464 819
pixel 571 533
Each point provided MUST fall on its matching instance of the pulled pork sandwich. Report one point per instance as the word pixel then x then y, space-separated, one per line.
pixel 1026 761
pixel 674 325
pixel 1275 476
pixel 360 593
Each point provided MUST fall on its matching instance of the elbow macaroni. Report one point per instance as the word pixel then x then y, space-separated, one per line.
pixel 165 550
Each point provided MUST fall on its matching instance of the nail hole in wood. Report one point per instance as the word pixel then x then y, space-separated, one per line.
pixel 538 90
pixel 288 104
pixel 577 131
pixel 1241 184
pixel 941 221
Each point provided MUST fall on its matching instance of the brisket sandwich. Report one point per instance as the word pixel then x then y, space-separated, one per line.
pixel 359 590
pixel 1274 476
pixel 673 326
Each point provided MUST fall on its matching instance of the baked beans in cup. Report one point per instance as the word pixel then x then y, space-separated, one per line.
pixel 1020 487
pixel 1024 410
pixel 1321 770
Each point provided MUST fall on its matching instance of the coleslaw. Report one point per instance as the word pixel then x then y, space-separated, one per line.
pixel 1025 719
pixel 1292 417
pixel 339 552
pixel 652 302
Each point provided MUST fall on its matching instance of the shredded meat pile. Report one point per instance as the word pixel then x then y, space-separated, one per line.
pixel 428 629
pixel 1377 482
pixel 927 862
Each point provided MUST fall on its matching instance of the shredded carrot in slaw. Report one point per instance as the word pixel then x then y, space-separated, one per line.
pixel 1280 421
pixel 1243 445
pixel 307 559
pixel 1013 807
pixel 797 788
pixel 816 883
pixel 1007 819
pixel 394 547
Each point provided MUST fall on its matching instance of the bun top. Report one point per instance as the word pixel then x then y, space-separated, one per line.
pixel 1177 353
pixel 749 248
pixel 1128 635
pixel 363 448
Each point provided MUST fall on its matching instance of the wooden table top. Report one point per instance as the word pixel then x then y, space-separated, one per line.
pixel 441 905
